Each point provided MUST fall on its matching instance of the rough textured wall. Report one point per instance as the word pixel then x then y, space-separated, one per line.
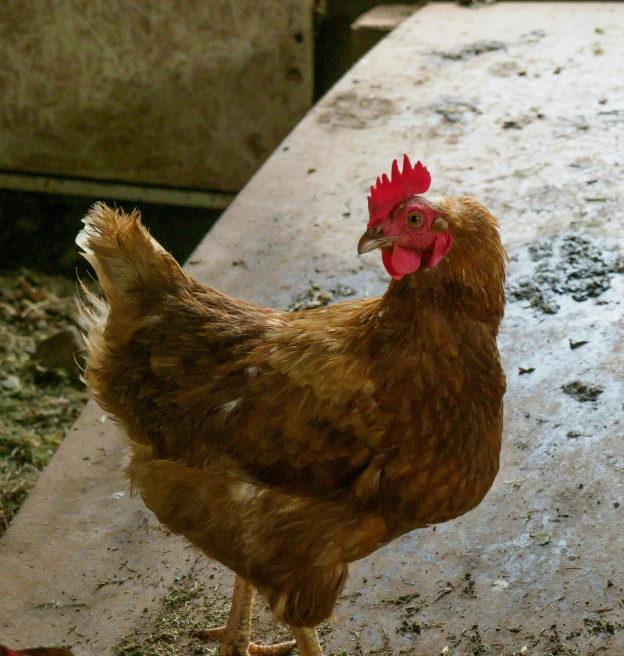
pixel 193 93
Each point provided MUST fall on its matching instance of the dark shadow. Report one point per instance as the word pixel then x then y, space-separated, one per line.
pixel 37 230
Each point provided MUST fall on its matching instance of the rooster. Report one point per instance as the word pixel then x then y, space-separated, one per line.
pixel 288 445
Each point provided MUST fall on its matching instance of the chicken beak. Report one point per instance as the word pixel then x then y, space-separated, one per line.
pixel 369 243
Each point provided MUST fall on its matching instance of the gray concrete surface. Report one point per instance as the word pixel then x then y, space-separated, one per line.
pixel 532 126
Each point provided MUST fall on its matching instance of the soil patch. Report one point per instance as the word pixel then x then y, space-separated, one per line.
pixel 570 265
pixel 581 391
pixel 350 110
pixel 471 50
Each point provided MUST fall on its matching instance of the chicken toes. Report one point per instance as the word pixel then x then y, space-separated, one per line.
pixel 234 637
pixel 235 647
pixel 271 650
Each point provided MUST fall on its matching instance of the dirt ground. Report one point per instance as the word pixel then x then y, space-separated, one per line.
pixel 530 125
pixel 38 403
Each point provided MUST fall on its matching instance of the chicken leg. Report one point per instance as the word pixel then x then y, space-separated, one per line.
pixel 235 636
pixel 307 641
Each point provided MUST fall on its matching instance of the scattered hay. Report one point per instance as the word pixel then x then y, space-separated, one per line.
pixel 175 627
pixel 316 297
pixel 187 608
pixel 601 625
pixel 37 405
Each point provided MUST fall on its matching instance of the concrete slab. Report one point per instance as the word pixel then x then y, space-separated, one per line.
pixel 520 105
pixel 371 27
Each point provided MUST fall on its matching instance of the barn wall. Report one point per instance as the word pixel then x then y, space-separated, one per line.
pixel 193 93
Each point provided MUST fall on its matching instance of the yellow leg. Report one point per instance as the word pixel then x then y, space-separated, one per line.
pixel 307 641
pixel 235 636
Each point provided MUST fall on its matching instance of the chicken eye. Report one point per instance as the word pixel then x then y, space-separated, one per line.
pixel 414 219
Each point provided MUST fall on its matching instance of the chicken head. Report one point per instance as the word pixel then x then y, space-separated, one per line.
pixel 410 230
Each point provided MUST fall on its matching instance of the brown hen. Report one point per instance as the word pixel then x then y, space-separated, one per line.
pixel 287 446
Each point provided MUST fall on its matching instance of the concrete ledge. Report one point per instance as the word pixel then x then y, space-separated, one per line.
pixel 370 28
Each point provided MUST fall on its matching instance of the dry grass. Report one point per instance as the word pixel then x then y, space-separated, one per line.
pixel 188 607
pixel 37 405
pixel 184 608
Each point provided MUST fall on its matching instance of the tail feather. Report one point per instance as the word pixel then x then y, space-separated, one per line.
pixel 131 266
pixel 122 252
pixel 94 312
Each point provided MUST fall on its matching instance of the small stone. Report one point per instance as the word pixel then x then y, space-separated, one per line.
pixel 60 350
pixel 11 383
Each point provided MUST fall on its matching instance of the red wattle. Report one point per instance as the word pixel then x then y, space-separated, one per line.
pixel 405 260
pixel 400 261
pixel 386 258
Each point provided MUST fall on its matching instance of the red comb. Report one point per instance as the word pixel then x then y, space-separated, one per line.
pixel 404 184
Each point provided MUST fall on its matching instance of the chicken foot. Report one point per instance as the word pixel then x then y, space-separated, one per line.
pixel 235 636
